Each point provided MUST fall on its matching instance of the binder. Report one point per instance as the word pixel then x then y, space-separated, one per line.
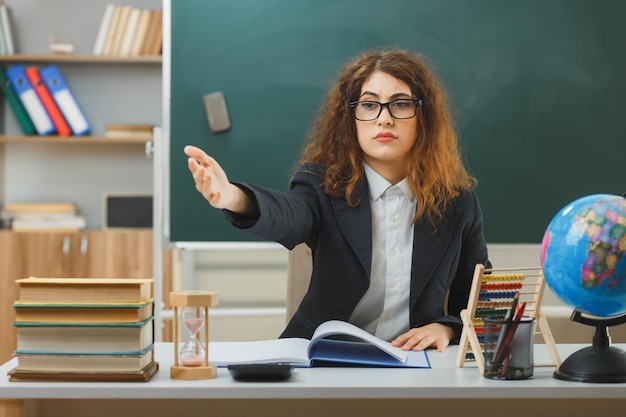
pixel 34 107
pixel 23 119
pixel 50 105
pixel 66 101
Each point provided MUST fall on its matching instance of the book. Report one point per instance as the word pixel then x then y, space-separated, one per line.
pixel 134 131
pixel 120 30
pixel 3 44
pixel 144 375
pixel 83 313
pixel 140 34
pixel 73 222
pixel 84 290
pixel 105 24
pixel 150 31
pixel 157 37
pixel 65 100
pixel 49 104
pixel 112 30
pixel 39 207
pixel 129 32
pixel 22 117
pixel 48 362
pixel 7 30
pixel 362 349
pixel 84 338
pixel 31 102
pixel 156 17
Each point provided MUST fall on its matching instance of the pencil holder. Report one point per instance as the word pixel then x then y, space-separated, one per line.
pixel 508 348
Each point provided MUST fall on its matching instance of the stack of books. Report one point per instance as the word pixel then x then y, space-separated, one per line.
pixel 40 216
pixel 127 31
pixel 84 329
pixel 129 131
pixel 42 101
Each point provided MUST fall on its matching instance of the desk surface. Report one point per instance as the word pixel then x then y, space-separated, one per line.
pixel 329 383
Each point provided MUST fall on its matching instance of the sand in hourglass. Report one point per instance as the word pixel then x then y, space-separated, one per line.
pixel 192 353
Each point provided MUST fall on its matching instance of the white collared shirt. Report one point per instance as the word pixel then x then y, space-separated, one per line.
pixel 384 309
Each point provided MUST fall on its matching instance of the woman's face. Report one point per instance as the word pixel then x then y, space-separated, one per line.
pixel 386 141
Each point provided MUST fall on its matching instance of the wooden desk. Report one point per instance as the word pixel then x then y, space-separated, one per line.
pixel 444 390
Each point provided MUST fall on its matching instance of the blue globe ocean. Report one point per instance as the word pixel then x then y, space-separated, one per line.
pixel 583 254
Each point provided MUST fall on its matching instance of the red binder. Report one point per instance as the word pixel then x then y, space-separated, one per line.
pixel 50 105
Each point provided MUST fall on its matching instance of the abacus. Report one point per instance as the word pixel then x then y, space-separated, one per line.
pixel 491 295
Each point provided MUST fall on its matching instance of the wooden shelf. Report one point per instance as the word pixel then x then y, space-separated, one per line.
pixel 91 140
pixel 147 59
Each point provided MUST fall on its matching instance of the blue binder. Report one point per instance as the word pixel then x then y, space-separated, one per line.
pixel 66 101
pixel 29 98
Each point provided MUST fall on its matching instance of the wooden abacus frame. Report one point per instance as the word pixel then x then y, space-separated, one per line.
pixel 491 295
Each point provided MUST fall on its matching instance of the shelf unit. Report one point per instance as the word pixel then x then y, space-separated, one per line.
pixel 79 168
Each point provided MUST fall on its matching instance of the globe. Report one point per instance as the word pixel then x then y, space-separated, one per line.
pixel 583 254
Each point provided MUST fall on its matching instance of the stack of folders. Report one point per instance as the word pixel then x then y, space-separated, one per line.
pixel 42 101
pixel 42 216
pixel 127 31
pixel 84 329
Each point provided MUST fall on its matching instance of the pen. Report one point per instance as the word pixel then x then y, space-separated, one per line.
pixel 508 341
pixel 497 358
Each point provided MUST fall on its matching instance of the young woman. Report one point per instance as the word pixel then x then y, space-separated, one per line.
pixel 381 197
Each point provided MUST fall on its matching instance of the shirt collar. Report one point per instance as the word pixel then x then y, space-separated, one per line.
pixel 378 185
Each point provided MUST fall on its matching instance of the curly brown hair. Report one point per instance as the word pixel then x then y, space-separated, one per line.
pixel 435 171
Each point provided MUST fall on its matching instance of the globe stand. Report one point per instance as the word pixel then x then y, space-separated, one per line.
pixel 599 362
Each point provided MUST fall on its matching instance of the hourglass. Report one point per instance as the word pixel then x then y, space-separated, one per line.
pixel 191 313
pixel 193 351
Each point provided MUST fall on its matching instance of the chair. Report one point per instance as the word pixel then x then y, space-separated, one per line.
pixel 299 267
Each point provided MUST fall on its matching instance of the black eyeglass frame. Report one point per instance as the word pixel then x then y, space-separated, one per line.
pixel 353 105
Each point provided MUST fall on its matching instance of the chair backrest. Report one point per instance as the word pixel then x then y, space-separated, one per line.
pixel 299 267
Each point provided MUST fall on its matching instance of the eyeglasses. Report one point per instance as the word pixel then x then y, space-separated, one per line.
pixel 404 108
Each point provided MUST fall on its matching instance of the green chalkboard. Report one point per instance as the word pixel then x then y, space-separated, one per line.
pixel 537 87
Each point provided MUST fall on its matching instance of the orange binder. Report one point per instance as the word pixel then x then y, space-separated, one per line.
pixel 50 105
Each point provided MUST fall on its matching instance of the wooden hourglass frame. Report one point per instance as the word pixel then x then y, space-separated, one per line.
pixel 201 301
